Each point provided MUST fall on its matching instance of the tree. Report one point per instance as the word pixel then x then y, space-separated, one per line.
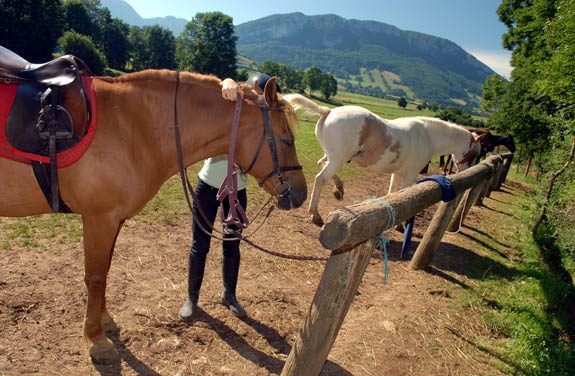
pixel 402 102
pixel 312 79
pixel 110 35
pixel 152 47
pixel 208 45
pixel 82 46
pixel 328 85
pixel 493 90
pixel 78 17
pixel 31 28
pixel 160 47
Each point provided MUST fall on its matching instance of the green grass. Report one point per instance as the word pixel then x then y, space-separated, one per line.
pixel 520 300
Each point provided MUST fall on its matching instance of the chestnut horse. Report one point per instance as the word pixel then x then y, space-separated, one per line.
pixel 133 153
pixel 402 146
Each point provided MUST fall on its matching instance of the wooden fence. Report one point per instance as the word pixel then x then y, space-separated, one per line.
pixel 352 233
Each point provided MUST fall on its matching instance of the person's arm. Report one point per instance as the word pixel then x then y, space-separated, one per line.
pixel 231 89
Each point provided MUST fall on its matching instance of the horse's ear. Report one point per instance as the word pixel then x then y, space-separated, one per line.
pixel 271 92
pixel 478 137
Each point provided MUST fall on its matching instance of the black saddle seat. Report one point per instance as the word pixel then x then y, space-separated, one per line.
pixel 58 72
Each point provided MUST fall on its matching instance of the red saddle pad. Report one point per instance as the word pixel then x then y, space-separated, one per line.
pixel 65 158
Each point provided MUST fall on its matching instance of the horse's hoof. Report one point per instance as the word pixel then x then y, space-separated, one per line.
pixel 104 353
pixel 318 221
pixel 338 194
pixel 400 228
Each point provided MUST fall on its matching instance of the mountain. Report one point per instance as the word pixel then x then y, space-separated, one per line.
pixel 367 53
pixel 124 11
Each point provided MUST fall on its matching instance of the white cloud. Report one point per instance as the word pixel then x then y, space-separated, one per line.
pixel 498 61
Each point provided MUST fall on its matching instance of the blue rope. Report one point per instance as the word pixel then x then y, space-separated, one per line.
pixel 447 194
pixel 383 242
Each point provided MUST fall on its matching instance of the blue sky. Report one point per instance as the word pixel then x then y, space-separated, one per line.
pixel 472 24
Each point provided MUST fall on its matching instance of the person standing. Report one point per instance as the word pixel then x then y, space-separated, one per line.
pixel 210 178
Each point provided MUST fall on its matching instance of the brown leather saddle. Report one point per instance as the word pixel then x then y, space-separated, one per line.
pixel 50 113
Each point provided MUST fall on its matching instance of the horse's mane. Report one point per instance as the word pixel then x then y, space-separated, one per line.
pixel 206 81
pixel 167 75
pixel 443 123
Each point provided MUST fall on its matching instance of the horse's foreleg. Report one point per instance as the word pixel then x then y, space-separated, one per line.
pixel 322 160
pixel 395 183
pixel 338 184
pixel 100 233
pixel 327 172
pixel 108 323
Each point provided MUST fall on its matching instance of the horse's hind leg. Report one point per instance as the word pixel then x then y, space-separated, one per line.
pixel 338 184
pixel 100 233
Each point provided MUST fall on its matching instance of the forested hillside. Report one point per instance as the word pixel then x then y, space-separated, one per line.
pixel 435 69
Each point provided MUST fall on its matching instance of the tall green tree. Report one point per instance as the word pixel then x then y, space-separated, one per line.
pixel 31 28
pixel 312 79
pixel 402 102
pixel 110 35
pixel 152 47
pixel 328 85
pixel 557 78
pixel 82 46
pixel 208 45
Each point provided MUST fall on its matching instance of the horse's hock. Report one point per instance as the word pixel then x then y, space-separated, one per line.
pixel 352 232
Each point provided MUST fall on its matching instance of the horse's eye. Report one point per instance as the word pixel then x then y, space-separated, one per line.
pixel 289 143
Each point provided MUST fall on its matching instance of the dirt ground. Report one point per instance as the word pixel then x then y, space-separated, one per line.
pixel 411 326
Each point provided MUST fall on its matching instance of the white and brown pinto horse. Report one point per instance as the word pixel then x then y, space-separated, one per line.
pixel 402 146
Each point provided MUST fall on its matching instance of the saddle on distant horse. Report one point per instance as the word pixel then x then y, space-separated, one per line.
pixel 48 110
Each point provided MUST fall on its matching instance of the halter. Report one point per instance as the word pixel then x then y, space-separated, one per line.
pixel 468 157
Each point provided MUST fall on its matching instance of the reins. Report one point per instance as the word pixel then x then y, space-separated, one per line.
pixel 230 190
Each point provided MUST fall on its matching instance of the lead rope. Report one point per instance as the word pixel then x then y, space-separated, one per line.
pixel 382 241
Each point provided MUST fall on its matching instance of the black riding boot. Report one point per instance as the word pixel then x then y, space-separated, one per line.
pixel 196 266
pixel 230 271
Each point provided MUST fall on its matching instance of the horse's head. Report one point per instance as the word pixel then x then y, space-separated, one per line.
pixel 509 143
pixel 268 152
pixel 470 155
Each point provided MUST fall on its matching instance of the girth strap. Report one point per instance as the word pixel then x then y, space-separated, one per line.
pixel 42 174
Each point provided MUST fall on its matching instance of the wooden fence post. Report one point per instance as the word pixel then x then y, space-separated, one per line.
pixel 471 197
pixel 332 300
pixel 434 234
pixel 496 168
pixel 507 159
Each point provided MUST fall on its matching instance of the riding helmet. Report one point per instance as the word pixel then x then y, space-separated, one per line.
pixel 261 79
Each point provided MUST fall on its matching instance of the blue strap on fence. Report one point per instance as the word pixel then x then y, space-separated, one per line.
pixel 447 194
pixel 383 242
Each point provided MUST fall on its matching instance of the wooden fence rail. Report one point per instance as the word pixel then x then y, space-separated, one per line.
pixel 351 233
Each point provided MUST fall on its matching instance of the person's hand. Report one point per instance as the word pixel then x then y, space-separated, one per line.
pixel 231 89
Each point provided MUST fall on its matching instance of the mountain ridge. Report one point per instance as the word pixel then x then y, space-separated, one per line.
pixel 124 11
pixel 435 68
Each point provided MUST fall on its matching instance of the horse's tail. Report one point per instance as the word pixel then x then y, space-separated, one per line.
pixel 298 101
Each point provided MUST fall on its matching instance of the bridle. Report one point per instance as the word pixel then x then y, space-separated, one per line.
pixel 229 186
pixel 268 134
